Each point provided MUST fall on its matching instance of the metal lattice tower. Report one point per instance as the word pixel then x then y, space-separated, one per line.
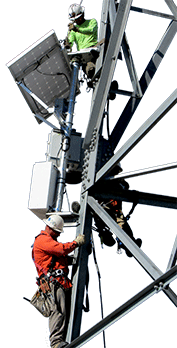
pixel 113 28
pixel 101 177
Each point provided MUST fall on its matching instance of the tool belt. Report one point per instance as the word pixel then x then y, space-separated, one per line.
pixel 43 298
pixel 51 277
pixel 44 280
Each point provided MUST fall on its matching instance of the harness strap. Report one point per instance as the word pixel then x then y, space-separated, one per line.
pixel 99 280
pixel 131 211
pixel 86 308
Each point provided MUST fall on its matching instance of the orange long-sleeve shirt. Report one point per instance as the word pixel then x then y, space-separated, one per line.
pixel 44 248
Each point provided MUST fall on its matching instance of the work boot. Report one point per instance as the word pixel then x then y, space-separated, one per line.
pixel 75 207
pixel 138 242
pixel 61 345
pixel 90 70
pixel 95 52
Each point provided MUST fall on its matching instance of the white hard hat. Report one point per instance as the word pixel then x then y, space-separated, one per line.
pixel 55 222
pixel 75 11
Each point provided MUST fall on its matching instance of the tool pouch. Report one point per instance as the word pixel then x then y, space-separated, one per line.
pixel 43 302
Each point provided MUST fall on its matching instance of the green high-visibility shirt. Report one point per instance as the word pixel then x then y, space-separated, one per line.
pixel 87 35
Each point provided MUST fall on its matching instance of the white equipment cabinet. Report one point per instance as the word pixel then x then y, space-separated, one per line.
pixel 43 186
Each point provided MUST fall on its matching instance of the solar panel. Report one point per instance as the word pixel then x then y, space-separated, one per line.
pixel 44 69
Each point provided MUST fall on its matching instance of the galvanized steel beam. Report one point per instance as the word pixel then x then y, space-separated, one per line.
pixel 118 24
pixel 172 7
pixel 155 287
pixel 173 256
pixel 131 68
pixel 79 272
pixel 102 88
pixel 152 13
pixel 133 196
pixel 112 13
pixel 139 255
pixel 145 80
pixel 45 121
pixel 140 172
pixel 127 54
pixel 139 134
pixel 102 32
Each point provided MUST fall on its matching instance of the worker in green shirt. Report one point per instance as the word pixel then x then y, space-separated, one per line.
pixel 83 33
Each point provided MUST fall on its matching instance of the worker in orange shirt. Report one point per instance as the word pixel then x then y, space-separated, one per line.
pixel 51 261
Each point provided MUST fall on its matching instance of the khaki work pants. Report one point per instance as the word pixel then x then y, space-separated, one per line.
pixel 59 317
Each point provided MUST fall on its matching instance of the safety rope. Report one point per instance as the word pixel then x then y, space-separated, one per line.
pixel 107 119
pixel 99 280
pixel 86 308
pixel 67 197
pixel 131 211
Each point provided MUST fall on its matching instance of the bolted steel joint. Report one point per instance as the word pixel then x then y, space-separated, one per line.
pixel 93 140
pixel 159 287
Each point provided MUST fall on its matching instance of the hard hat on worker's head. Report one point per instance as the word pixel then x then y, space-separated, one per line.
pixel 75 11
pixel 55 222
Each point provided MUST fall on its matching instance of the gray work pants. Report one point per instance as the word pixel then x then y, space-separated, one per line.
pixel 60 315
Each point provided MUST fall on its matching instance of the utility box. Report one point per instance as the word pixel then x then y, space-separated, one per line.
pixel 54 147
pixel 74 153
pixel 43 188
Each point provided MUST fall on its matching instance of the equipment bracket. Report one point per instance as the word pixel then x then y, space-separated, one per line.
pixel 34 96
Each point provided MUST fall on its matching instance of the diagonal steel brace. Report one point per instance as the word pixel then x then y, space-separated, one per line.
pixel 155 287
pixel 139 255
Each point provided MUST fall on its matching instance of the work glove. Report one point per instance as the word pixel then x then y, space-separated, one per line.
pixel 71 26
pixel 80 239
pixel 67 44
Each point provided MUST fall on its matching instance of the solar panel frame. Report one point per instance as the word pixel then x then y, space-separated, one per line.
pixel 45 70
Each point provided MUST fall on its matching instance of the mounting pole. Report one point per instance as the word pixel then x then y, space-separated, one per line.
pixel 67 135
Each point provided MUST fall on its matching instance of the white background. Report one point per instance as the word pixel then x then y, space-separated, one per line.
pixel 24 142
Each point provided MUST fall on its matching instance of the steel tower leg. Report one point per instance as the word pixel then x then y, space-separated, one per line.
pixel 80 272
pixel 92 175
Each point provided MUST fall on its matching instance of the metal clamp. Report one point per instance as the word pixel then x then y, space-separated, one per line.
pixel 56 273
